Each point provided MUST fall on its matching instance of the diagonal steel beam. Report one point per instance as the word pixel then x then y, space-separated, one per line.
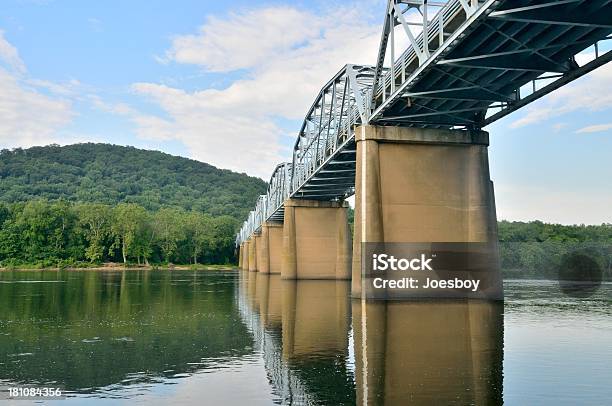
pixel 553 13
pixel 382 49
pixel 533 7
pixel 516 63
pixel 560 21
pixel 436 113
pixel 565 79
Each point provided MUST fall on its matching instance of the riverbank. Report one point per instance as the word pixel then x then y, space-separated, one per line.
pixel 122 267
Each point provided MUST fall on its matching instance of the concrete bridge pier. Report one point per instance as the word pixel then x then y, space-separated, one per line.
pixel 316 240
pixel 430 186
pixel 240 255
pixel 271 245
pixel 258 251
pixel 252 262
pixel 245 256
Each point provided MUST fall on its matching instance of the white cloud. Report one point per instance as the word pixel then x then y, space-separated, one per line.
pixel 154 128
pixel 245 40
pixel 288 55
pixel 559 126
pixel 122 109
pixel 28 117
pixel 595 128
pixel 590 93
pixel 71 88
pixel 225 138
pixel 10 56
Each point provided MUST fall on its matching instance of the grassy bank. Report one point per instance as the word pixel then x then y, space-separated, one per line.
pixel 122 267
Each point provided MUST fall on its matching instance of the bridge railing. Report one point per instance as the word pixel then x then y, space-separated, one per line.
pixel 340 105
pixel 278 190
pixel 431 34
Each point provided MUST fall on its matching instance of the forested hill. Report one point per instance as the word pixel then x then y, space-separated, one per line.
pixel 111 174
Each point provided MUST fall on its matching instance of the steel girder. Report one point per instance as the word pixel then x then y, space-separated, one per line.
pixel 484 59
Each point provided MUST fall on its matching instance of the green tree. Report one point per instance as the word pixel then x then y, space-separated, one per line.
pixel 170 229
pixel 128 221
pixel 225 236
pixel 145 238
pixel 200 229
pixel 95 220
pixel 47 231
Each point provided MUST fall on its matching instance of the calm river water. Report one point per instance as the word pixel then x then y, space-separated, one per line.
pixel 184 337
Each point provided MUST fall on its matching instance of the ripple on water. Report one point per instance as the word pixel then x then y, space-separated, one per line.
pixel 124 339
pixel 26 281
pixel 22 354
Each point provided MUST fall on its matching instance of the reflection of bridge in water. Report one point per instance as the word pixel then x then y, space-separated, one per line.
pixel 405 135
pixel 305 349
pixel 320 349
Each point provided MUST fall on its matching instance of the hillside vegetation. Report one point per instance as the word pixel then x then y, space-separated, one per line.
pixel 94 203
pixel 111 174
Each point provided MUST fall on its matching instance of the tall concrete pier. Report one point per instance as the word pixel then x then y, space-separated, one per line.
pixel 252 262
pixel 245 255
pixel 271 245
pixel 240 255
pixel 416 185
pixel 316 240
pixel 259 250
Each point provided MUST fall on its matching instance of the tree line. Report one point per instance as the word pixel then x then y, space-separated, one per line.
pixel 44 233
pixel 60 233
pixel 541 250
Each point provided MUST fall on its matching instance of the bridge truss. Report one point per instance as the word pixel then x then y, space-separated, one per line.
pixel 468 63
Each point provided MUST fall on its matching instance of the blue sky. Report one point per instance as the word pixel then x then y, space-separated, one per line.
pixel 228 83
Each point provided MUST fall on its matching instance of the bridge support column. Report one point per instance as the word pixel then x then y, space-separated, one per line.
pixel 272 247
pixel 429 186
pixel 245 256
pixel 240 255
pixel 252 254
pixel 259 251
pixel 316 240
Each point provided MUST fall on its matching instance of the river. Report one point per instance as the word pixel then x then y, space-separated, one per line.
pixel 212 337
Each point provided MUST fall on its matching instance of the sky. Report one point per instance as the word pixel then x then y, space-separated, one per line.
pixel 228 83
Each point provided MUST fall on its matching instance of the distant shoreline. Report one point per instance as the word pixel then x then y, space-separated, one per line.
pixel 119 267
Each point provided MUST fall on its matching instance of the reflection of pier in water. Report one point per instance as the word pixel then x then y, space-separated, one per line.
pixel 423 352
pixel 302 330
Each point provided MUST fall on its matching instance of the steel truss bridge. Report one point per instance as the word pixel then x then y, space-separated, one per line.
pixel 468 63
